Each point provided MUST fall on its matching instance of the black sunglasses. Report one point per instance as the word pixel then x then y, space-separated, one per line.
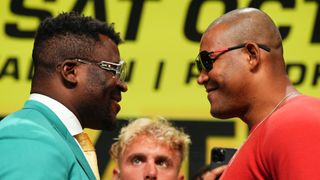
pixel 204 61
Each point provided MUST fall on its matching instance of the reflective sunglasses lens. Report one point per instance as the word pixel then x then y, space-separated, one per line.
pixel 205 60
pixel 123 72
pixel 198 64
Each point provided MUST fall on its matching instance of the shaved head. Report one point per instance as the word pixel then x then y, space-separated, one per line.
pixel 240 77
pixel 248 24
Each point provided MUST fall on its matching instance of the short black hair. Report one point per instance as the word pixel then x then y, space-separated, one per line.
pixel 68 35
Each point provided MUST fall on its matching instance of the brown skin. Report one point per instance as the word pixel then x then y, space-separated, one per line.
pixel 90 92
pixel 249 82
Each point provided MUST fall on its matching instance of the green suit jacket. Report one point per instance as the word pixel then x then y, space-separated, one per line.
pixel 34 144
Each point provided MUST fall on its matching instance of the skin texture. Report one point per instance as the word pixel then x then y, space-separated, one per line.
pixel 213 174
pixel 91 93
pixel 248 82
pixel 101 89
pixel 147 158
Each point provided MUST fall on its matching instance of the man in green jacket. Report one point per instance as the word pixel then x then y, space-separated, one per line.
pixel 77 83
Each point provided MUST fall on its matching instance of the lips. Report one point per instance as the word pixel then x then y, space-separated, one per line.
pixel 116 98
pixel 211 85
pixel 115 107
pixel 212 88
pixel 115 104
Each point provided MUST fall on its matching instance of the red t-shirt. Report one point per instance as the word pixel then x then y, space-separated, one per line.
pixel 284 146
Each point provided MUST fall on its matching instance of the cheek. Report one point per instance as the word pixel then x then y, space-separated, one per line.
pixel 232 73
pixel 98 77
pixel 126 172
pixel 169 174
pixel 101 81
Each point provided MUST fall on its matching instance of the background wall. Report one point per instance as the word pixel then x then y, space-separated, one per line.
pixel 161 41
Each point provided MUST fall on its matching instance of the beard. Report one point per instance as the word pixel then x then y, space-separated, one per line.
pixel 97 117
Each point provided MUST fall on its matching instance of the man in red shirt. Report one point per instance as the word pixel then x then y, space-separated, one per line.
pixel 242 68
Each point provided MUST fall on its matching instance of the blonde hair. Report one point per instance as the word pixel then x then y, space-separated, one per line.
pixel 160 129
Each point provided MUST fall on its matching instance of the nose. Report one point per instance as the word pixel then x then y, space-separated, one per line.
pixel 150 171
pixel 202 78
pixel 123 85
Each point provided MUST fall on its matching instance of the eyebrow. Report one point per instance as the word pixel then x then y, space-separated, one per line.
pixel 140 155
pixel 157 157
pixel 163 157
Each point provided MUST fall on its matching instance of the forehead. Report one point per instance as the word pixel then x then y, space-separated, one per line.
pixel 215 38
pixel 150 147
pixel 106 50
pixel 108 42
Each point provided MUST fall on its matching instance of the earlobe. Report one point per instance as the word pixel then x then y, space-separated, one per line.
pixel 181 177
pixel 115 174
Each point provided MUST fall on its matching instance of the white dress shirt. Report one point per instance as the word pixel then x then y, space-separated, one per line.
pixel 69 120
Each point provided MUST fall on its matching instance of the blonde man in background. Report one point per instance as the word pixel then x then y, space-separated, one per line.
pixel 149 149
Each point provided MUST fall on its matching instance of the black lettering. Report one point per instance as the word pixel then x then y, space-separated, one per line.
pixel 316 29
pixel 13 64
pixel 17 7
pixel 79 6
pixel 190 73
pixel 134 19
pixel 130 71
pixel 158 79
pixel 99 8
pixel 190 30
pixel 284 30
pixel 316 75
pixel 30 71
pixel 301 67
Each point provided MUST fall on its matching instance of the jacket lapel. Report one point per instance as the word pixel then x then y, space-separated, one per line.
pixel 63 132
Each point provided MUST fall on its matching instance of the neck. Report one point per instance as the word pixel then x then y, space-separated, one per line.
pixel 263 109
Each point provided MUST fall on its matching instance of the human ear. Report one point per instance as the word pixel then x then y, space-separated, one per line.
pixel 253 55
pixel 181 177
pixel 115 174
pixel 68 72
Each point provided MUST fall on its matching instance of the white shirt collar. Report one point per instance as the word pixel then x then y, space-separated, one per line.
pixel 65 115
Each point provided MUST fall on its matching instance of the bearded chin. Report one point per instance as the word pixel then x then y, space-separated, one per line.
pixel 107 120
pixel 109 123
pixel 99 119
